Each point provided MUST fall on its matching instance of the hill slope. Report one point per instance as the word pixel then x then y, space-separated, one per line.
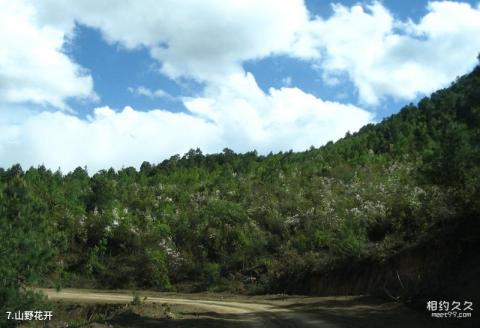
pixel 245 222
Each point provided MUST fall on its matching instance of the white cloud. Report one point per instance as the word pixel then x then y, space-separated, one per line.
pixel 237 114
pixel 199 39
pixel 144 91
pixel 108 138
pixel 287 81
pixel 33 66
pixel 209 41
pixel 285 118
pixel 387 57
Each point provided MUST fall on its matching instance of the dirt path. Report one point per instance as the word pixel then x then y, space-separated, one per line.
pixel 257 314
pixel 217 310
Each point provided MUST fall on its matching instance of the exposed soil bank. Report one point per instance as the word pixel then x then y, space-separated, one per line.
pixel 447 268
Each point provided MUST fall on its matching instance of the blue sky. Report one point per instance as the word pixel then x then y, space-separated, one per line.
pixel 116 69
pixel 116 83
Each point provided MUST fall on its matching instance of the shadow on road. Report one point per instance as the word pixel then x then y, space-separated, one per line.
pixel 371 312
pixel 187 320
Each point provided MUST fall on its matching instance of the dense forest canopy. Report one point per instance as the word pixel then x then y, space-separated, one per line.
pixel 198 222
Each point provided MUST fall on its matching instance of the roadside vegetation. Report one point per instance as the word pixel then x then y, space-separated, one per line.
pixel 245 222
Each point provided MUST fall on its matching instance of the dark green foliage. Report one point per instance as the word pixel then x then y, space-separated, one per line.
pixel 27 241
pixel 218 220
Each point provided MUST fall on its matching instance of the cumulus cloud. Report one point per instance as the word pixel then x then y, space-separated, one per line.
pixel 146 92
pixel 198 39
pixel 33 66
pixel 383 56
pixel 105 139
pixel 285 118
pixel 238 115
pixel 209 41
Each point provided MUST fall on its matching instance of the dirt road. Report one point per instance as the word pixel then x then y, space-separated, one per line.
pixel 212 310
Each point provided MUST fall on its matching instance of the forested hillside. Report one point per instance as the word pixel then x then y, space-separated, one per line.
pixel 244 222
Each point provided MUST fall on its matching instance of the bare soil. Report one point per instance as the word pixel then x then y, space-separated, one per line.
pixel 115 309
